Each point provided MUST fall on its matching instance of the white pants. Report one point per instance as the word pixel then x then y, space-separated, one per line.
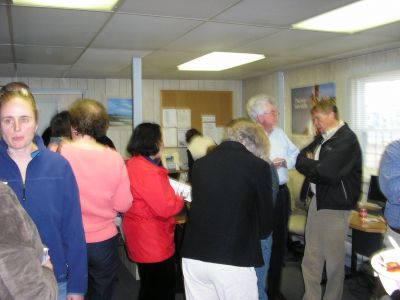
pixel 211 281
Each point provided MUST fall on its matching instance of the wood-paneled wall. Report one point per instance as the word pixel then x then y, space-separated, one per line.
pixel 102 89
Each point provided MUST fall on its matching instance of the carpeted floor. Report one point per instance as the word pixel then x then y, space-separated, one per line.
pixel 361 287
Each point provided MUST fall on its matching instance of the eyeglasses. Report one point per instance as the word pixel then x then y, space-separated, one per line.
pixel 11 122
pixel 272 112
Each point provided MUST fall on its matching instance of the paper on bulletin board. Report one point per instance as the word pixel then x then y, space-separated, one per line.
pixel 182 137
pixel 219 135
pixel 170 137
pixel 184 118
pixel 209 128
pixel 169 117
pixel 208 118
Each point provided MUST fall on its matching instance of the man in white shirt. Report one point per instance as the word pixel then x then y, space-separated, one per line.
pixel 283 154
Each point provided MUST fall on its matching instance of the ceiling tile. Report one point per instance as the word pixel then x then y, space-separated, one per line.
pixel 55 27
pixel 105 57
pixel 101 62
pixel 103 72
pixel 342 45
pixel 31 70
pixel 7 70
pixel 207 37
pixel 141 32
pixel 5 54
pixel 125 73
pixel 52 42
pixel 168 59
pixel 4 29
pixel 47 55
pixel 181 8
pixel 390 30
pixel 282 12
pixel 286 40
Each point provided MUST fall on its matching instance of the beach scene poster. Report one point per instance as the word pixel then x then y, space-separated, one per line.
pixel 303 99
pixel 120 111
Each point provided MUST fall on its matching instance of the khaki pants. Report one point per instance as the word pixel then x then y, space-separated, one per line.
pixel 325 236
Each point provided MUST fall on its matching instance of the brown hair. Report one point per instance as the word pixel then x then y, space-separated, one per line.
pixel 326 106
pixel 89 117
pixel 14 87
pixel 7 95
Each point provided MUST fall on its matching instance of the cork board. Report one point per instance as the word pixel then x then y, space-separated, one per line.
pixel 218 103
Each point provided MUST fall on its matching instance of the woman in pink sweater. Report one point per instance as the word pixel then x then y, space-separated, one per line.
pixel 104 191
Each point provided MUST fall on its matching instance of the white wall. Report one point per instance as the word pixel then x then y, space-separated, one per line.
pixel 102 89
pixel 339 72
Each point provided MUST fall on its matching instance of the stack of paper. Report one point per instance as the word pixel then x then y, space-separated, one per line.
pixel 181 188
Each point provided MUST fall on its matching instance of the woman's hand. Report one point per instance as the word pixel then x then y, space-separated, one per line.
pixel 47 263
pixel 75 297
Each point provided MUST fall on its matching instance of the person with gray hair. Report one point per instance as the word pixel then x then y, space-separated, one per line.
pixel 231 212
pixel 283 153
pixel 254 139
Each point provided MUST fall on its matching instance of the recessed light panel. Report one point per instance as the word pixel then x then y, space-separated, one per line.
pixel 218 61
pixel 102 5
pixel 354 17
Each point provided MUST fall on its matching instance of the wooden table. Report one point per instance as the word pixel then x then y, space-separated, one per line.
pixel 374 227
pixel 366 237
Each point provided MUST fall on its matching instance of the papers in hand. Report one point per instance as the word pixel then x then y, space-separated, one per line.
pixel 183 189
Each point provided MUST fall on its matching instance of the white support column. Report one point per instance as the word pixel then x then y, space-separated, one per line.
pixel 280 95
pixel 137 90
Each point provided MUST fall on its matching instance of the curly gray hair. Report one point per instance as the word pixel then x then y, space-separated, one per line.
pixel 256 105
pixel 249 134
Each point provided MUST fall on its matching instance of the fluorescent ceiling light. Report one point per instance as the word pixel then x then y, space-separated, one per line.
pixel 355 17
pixel 218 61
pixel 106 5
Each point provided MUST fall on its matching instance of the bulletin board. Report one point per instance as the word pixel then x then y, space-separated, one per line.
pixel 218 103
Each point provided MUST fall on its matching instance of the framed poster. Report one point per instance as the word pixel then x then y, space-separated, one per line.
pixel 303 99
pixel 120 111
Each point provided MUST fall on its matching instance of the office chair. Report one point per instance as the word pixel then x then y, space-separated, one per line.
pixel 298 217
pixel 375 194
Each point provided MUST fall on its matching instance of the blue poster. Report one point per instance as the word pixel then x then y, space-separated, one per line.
pixel 120 111
pixel 303 100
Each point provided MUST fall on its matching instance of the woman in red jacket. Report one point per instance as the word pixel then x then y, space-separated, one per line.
pixel 150 223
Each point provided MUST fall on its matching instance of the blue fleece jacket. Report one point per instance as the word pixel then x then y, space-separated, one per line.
pixel 50 196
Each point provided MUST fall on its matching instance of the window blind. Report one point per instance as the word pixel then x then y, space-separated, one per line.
pixel 375 115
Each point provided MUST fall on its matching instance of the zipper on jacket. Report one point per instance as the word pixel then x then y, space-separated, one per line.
pixel 308 189
pixel 23 192
pixel 344 190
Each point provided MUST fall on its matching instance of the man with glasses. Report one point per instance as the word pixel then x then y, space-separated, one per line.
pixel 332 165
pixel 283 154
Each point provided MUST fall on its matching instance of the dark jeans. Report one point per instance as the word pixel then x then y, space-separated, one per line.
pixel 157 280
pixel 279 237
pixel 103 262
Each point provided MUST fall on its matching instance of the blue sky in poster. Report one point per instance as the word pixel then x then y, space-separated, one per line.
pixel 302 102
pixel 327 89
pixel 120 107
